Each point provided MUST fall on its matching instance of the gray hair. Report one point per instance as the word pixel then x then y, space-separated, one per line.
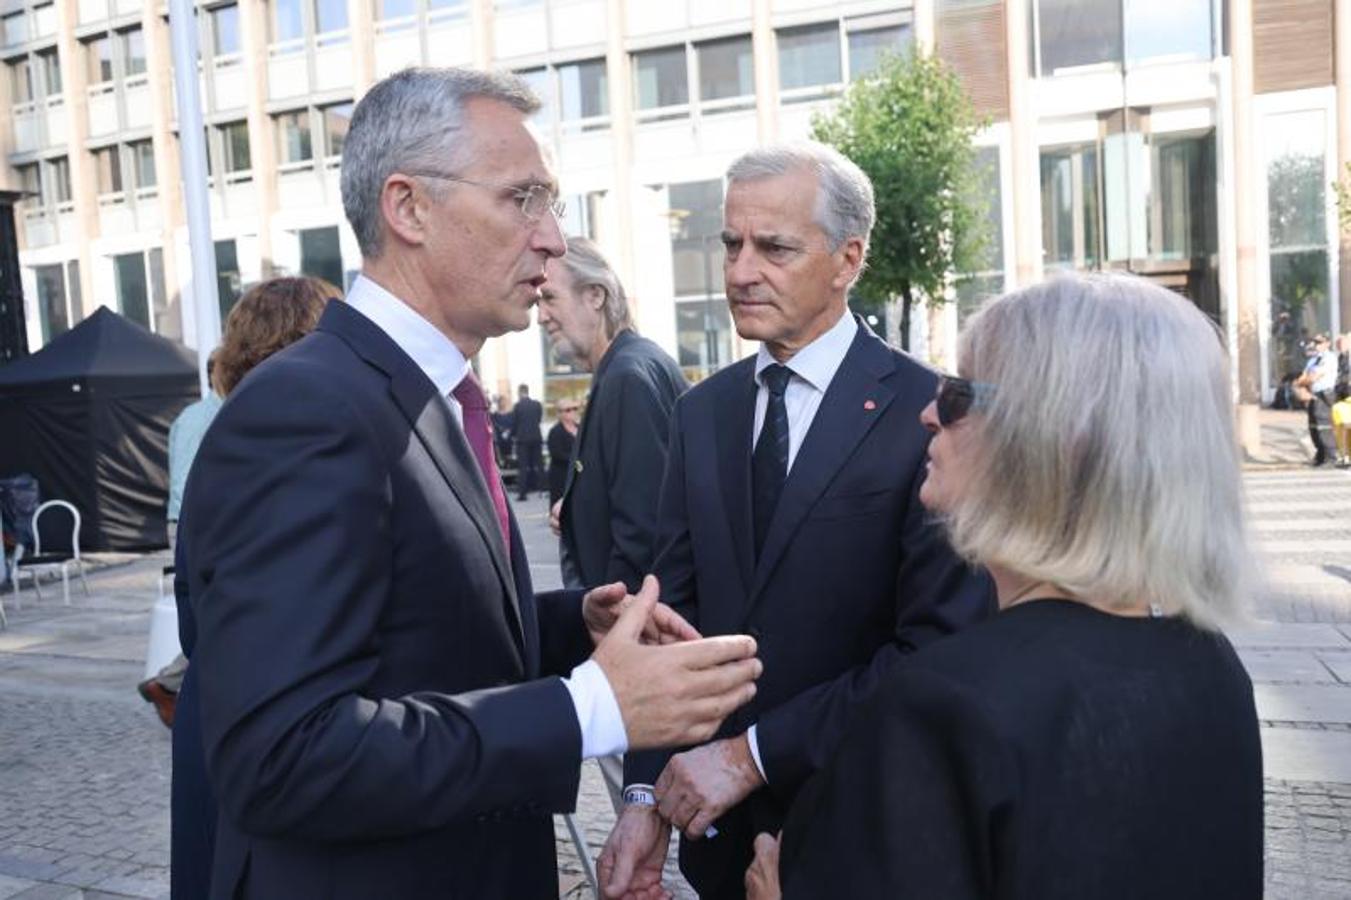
pixel 589 268
pixel 1106 461
pixel 412 120
pixel 844 196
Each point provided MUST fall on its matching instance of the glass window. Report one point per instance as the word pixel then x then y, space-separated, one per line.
pixel 867 47
pixel 1296 216
pixel 987 279
pixel 143 163
pixel 660 78
pixel 1183 221
pixel 52 308
pixel 1078 33
pixel 584 90
pixel 236 139
pixel 288 22
pixel 726 68
pixel 50 64
pixel 73 289
pixel 461 6
pixel 225 30
pixel 99 52
pixel 60 167
pixel 30 182
pixel 15 27
pixel 293 130
pixel 321 255
pixel 20 81
pixel 133 295
pixel 1069 206
pixel 108 170
pixel 133 51
pixel 395 9
pixel 337 119
pixel 165 323
pixel 1168 30
pixel 703 336
pixel 540 82
pixel 229 283
pixel 330 15
pixel 809 56
pixel 696 244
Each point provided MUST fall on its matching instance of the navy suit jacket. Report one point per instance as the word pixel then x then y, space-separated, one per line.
pixel 368 652
pixel 609 512
pixel 853 576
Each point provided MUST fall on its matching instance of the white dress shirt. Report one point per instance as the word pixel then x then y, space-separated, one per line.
pixel 442 362
pixel 813 367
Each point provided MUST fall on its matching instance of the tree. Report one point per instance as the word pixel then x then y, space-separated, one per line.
pixel 910 126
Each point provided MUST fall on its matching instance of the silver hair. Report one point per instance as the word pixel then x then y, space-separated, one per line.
pixel 589 268
pixel 844 196
pixel 413 120
pixel 1106 462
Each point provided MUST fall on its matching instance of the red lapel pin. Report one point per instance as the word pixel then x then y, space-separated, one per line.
pixel 869 405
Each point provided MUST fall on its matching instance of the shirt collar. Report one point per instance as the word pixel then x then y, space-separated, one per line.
pixel 817 362
pixel 434 353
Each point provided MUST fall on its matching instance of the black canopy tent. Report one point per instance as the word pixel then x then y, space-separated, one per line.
pixel 89 416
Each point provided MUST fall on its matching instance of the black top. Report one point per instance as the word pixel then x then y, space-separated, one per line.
pixel 1053 751
pixel 560 457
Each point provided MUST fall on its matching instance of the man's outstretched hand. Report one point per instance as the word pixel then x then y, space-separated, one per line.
pixel 602 607
pixel 629 866
pixel 674 694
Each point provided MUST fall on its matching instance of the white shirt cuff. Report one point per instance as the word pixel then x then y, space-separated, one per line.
pixel 597 710
pixel 754 743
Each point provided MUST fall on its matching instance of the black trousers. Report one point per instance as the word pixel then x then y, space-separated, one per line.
pixel 529 468
pixel 1320 427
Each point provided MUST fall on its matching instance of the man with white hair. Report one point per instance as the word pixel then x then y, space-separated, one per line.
pixel 380 701
pixel 790 512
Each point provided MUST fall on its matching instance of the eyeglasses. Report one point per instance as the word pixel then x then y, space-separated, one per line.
pixel 535 200
pixel 956 397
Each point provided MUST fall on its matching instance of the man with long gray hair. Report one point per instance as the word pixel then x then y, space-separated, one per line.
pixel 380 701
pixel 607 515
pixel 789 510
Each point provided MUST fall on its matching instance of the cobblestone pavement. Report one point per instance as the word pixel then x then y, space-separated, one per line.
pixel 84 779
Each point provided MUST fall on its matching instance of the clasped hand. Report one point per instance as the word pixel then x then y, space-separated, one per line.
pixel 602 607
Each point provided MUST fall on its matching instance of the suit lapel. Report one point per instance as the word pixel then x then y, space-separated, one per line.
pixel 443 439
pixel 854 402
pixel 733 425
pixel 596 378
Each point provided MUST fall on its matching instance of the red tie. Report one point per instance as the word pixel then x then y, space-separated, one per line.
pixel 479 430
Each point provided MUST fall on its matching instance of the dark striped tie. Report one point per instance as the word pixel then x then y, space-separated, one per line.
pixel 769 463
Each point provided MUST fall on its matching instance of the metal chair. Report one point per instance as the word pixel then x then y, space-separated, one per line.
pixel 61 559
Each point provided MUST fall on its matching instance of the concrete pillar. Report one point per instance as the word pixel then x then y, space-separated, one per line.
pixel 262 136
pixel 168 177
pixel 361 24
pixel 1025 190
pixel 83 181
pixel 924 29
pixel 766 72
pixel 1342 49
pixel 1247 176
pixel 621 137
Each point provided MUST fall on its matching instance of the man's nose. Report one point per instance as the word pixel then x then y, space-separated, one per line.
pixel 548 235
pixel 742 269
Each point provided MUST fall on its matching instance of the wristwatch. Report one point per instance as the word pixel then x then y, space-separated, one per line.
pixel 640 795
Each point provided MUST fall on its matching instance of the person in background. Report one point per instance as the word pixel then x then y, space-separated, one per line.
pixel 1319 378
pixel 1098 736
pixel 271 315
pixel 562 436
pixel 1341 424
pixel 608 513
pixel 529 443
pixel 185 434
pixel 504 424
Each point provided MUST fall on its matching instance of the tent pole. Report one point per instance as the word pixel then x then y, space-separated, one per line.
pixel 192 141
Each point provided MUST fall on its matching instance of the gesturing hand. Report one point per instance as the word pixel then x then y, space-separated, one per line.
pixel 699 785
pixel 556 518
pixel 602 607
pixel 762 878
pixel 630 863
pixel 671 695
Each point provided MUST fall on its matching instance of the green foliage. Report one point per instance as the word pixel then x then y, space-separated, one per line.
pixel 910 127
pixel 1343 189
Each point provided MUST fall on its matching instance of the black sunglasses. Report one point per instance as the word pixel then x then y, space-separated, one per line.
pixel 957 396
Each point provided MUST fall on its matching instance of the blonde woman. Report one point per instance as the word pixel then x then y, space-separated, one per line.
pixel 1097 738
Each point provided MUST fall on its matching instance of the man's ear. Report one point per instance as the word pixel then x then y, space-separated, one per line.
pixel 595 296
pixel 851 253
pixel 404 208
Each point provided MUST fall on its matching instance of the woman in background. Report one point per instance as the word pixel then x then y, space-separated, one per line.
pixel 561 438
pixel 1096 738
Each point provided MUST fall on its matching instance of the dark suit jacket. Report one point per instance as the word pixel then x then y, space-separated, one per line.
pixel 610 503
pixel 854 574
pixel 369 655
pixel 1053 753
pixel 527 415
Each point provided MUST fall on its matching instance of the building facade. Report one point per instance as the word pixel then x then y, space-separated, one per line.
pixel 1191 141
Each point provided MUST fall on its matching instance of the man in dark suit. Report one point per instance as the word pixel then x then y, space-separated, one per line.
pixel 529 438
pixel 608 513
pixel 378 702
pixel 790 511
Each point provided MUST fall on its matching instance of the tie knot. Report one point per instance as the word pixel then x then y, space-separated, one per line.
pixel 776 378
pixel 469 394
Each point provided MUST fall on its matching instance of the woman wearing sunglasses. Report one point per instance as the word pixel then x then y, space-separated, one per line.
pixel 1097 738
